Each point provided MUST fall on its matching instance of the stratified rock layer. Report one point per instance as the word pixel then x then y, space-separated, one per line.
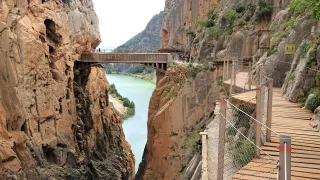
pixel 52 126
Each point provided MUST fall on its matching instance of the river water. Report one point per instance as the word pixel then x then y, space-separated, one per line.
pixel 135 128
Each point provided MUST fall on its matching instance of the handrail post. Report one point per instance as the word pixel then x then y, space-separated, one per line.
pixel 227 69
pixel 269 114
pixel 221 147
pixel 224 70
pixel 232 78
pixel 235 71
pixel 258 117
pixel 285 157
pixel 204 174
pixel 249 76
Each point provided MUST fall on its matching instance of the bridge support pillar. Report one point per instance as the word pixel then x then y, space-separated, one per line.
pixel 159 75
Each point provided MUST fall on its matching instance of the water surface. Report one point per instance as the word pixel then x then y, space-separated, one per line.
pixel 135 128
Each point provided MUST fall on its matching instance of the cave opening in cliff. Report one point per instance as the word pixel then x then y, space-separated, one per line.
pixel 24 128
pixel 51 31
pixel 50 154
pixel 51 49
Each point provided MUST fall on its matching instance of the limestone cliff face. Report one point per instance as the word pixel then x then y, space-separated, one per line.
pixel 53 125
pixel 179 109
pixel 233 32
pixel 180 16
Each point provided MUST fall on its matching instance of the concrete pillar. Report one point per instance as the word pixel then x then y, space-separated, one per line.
pixel 222 131
pixel 204 175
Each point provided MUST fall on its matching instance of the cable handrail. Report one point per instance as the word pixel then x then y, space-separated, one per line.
pixel 247 138
pixel 253 118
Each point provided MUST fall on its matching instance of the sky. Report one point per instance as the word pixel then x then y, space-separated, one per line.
pixel 120 20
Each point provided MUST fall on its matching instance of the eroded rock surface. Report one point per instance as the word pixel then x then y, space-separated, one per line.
pixel 179 109
pixel 52 124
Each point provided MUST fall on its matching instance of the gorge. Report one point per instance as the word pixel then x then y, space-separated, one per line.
pixel 56 121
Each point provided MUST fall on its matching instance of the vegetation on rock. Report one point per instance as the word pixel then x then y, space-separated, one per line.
pixel 264 11
pixel 126 102
pixel 312 7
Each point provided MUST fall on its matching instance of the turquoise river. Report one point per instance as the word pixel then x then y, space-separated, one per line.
pixel 135 128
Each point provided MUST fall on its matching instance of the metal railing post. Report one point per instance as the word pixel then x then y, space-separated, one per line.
pixel 285 157
pixel 250 76
pixel 221 147
pixel 235 71
pixel 227 70
pixel 204 174
pixel 224 72
pixel 258 117
pixel 269 108
pixel 232 77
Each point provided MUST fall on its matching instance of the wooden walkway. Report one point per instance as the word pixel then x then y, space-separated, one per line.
pixel 287 119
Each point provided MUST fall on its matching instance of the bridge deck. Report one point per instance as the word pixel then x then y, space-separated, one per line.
pixel 287 118
pixel 126 57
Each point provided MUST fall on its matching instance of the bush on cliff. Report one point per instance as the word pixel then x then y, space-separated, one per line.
pixel 314 102
pixel 301 6
pixel 264 11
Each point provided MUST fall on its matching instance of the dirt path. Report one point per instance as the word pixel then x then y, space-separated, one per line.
pixel 117 104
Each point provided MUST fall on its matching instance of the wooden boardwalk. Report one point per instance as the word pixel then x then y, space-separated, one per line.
pixel 288 119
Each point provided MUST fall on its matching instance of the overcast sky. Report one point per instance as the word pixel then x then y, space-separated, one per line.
pixel 120 20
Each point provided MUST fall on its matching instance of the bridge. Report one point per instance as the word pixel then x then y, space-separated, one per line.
pixel 157 61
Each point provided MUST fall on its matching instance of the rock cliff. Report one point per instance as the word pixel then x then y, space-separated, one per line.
pixel 216 30
pixel 221 30
pixel 55 123
pixel 180 107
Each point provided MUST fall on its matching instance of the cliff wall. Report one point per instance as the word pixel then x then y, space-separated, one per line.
pixel 180 107
pixel 53 123
pixel 227 29
pixel 180 16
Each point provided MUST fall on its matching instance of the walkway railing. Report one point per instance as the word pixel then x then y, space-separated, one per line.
pixel 245 128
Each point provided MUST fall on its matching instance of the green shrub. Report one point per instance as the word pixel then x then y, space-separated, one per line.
pixel 284 35
pixel 274 50
pixel 264 11
pixel 304 49
pixel 209 23
pixel 242 151
pixel 301 6
pixel 231 15
pixel 211 14
pixel 214 32
pixel 314 102
pixel 201 23
pixel 190 34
